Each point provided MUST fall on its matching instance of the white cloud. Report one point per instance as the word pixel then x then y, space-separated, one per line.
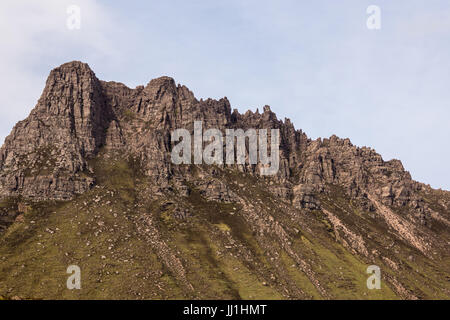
pixel 34 35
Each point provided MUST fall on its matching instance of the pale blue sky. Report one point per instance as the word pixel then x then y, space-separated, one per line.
pixel 314 62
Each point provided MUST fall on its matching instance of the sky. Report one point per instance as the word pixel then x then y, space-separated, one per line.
pixel 315 62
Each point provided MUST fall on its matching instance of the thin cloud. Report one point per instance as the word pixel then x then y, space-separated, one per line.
pixel 35 39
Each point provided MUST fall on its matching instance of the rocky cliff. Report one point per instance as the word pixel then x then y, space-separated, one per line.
pixel 101 151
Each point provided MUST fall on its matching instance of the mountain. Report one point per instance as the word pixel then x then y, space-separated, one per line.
pixel 87 179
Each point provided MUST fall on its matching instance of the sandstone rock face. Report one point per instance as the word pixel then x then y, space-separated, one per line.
pixel 82 124
pixel 47 155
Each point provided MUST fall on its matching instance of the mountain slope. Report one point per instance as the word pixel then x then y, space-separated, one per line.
pixel 87 179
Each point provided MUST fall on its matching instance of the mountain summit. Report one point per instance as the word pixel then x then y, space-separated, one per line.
pixel 87 179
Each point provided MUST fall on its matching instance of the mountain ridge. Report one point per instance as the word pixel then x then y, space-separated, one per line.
pixel 86 135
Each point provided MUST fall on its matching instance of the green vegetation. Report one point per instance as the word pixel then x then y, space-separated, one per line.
pixel 103 232
pixel 129 115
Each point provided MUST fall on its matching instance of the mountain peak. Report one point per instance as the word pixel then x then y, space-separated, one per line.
pixel 74 65
pixel 163 80
pixel 74 68
pixel 75 74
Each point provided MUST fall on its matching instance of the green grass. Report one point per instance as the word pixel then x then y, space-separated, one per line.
pixel 35 260
pixel 340 272
pixel 299 277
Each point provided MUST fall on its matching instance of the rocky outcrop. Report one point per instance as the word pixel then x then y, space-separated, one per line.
pixel 45 156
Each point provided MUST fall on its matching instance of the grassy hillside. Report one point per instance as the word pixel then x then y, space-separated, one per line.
pixel 128 244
